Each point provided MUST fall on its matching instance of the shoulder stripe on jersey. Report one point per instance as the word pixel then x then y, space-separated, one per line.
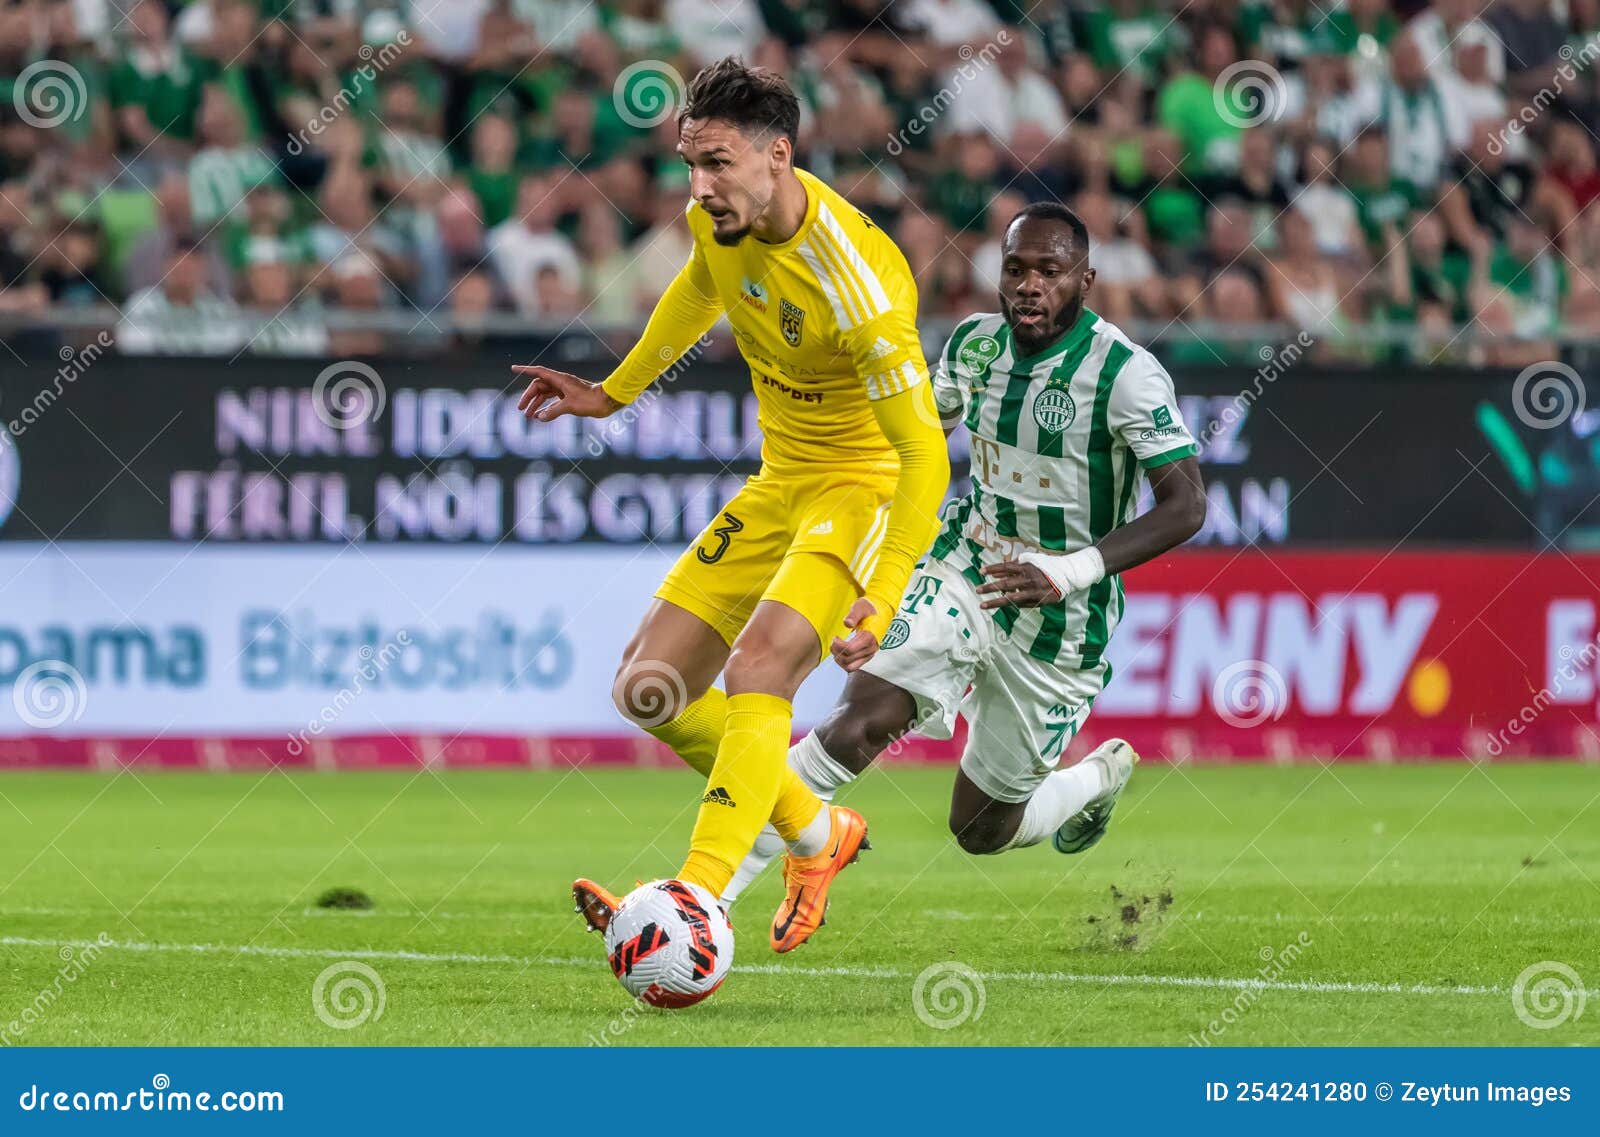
pixel 1102 503
pixel 845 280
pixel 841 313
pixel 878 299
pixel 828 253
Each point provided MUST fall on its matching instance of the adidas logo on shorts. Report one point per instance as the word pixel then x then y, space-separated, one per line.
pixel 718 796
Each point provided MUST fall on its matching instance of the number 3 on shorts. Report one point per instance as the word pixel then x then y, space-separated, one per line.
pixel 724 534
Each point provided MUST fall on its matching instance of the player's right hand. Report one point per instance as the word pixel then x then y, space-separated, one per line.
pixel 552 393
pixel 862 645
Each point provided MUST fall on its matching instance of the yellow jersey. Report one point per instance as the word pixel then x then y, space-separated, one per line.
pixel 827 321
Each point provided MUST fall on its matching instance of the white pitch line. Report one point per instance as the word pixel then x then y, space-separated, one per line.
pixel 1063 977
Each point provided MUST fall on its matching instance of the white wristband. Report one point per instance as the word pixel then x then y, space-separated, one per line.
pixel 1069 572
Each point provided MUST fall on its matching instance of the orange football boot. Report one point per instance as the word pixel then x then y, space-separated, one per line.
pixel 805 904
pixel 594 904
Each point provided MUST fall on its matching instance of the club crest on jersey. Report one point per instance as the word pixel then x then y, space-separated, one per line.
pixel 978 352
pixel 1054 409
pixel 790 320
pixel 899 632
pixel 754 294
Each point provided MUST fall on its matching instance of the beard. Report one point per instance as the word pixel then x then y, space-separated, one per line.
pixel 730 239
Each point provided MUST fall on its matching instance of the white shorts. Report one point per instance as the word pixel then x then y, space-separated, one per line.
pixel 1021 712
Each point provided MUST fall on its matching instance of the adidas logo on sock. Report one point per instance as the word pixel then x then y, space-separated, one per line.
pixel 718 796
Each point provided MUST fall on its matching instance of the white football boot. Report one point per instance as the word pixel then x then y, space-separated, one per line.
pixel 1084 829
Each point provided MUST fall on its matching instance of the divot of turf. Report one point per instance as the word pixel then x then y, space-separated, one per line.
pixel 345 898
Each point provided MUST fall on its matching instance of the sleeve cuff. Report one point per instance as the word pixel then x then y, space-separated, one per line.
pixel 609 386
pixel 1187 450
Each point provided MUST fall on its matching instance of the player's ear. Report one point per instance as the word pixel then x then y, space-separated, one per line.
pixel 780 152
pixel 1088 283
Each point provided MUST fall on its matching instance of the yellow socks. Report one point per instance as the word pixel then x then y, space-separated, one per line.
pixel 696 733
pixel 797 806
pixel 743 788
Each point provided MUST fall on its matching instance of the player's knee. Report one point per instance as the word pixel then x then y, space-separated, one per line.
pixel 758 664
pixel 649 692
pixel 976 835
pixel 849 740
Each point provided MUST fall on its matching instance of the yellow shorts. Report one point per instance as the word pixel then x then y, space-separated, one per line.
pixel 754 550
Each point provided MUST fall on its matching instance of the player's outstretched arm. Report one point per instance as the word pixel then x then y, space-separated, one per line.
pixel 684 314
pixel 552 393
pixel 1044 578
pixel 911 424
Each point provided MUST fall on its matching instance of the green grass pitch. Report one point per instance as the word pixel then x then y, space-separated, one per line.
pixel 1234 905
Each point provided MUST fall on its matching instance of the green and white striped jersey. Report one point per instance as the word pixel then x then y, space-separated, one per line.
pixel 1058 442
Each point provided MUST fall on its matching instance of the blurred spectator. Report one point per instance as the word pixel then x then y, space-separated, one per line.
pixel 529 242
pixel 1326 204
pixel 1193 108
pixel 1007 95
pixel 1449 27
pixel 1302 286
pixel 1127 281
pixel 1419 137
pixel 182 315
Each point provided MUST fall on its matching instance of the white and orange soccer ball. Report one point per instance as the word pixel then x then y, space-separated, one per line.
pixel 669 943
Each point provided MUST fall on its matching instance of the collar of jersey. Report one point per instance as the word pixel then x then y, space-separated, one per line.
pixel 1071 338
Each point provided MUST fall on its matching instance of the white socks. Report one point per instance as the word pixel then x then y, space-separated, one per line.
pixel 817 770
pixel 1058 797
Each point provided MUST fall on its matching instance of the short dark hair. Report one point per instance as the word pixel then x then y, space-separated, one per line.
pixel 1055 211
pixel 754 99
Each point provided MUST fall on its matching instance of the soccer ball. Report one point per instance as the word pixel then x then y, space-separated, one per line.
pixel 670 943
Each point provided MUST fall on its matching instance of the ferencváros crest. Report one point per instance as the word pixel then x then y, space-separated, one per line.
pixel 1054 410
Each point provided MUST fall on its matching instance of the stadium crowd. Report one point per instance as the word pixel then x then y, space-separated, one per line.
pixel 1328 165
